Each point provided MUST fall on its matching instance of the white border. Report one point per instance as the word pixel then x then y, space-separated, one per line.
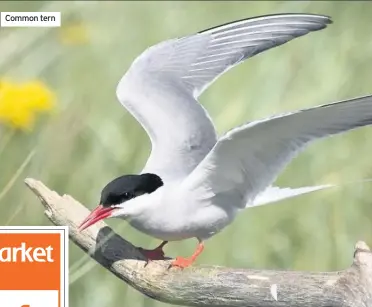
pixel 63 231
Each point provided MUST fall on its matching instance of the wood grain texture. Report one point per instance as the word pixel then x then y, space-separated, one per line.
pixel 210 285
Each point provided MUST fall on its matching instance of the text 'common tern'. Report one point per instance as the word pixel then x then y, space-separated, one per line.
pixel 194 183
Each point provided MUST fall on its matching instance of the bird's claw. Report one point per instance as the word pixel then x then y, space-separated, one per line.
pixel 181 262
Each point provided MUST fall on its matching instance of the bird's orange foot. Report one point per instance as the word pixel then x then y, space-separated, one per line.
pixel 182 262
pixel 186 262
pixel 153 254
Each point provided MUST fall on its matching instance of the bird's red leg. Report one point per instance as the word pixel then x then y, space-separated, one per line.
pixel 154 254
pixel 185 262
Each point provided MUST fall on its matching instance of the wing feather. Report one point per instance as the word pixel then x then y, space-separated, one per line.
pixel 247 160
pixel 161 86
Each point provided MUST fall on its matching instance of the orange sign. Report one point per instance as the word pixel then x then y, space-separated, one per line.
pixel 34 266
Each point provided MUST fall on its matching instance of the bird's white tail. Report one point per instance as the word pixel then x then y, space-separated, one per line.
pixel 275 194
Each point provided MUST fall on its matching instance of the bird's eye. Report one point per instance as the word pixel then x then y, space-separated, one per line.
pixel 127 195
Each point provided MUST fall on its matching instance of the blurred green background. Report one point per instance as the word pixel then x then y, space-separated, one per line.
pixel 90 139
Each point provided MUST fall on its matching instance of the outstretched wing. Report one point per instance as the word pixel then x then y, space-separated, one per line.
pixel 247 160
pixel 161 87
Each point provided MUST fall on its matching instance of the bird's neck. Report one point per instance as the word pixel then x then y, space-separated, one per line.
pixel 142 206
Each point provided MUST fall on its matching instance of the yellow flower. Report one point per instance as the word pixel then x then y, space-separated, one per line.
pixel 74 30
pixel 19 103
pixel 40 98
pixel 74 34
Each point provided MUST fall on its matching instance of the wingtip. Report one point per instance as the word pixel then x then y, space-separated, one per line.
pixel 326 20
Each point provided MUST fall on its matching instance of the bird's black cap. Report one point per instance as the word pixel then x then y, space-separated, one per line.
pixel 126 187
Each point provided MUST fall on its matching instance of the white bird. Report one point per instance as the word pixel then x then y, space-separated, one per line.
pixel 194 184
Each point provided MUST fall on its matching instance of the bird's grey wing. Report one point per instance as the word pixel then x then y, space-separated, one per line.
pixel 232 43
pixel 161 87
pixel 274 194
pixel 248 159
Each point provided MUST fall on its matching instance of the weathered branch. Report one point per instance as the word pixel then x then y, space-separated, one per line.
pixel 210 285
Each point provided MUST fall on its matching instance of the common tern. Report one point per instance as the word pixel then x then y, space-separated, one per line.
pixel 194 183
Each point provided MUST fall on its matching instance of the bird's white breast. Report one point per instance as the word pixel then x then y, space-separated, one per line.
pixel 170 216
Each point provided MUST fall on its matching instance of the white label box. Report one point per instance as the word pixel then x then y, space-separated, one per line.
pixel 30 19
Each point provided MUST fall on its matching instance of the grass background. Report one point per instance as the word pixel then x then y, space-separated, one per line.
pixel 91 139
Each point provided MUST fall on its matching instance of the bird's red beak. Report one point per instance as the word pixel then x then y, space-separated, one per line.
pixel 96 215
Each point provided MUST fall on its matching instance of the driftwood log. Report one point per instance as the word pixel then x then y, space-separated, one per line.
pixel 210 285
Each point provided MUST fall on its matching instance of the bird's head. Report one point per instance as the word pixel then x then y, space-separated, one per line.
pixel 117 194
